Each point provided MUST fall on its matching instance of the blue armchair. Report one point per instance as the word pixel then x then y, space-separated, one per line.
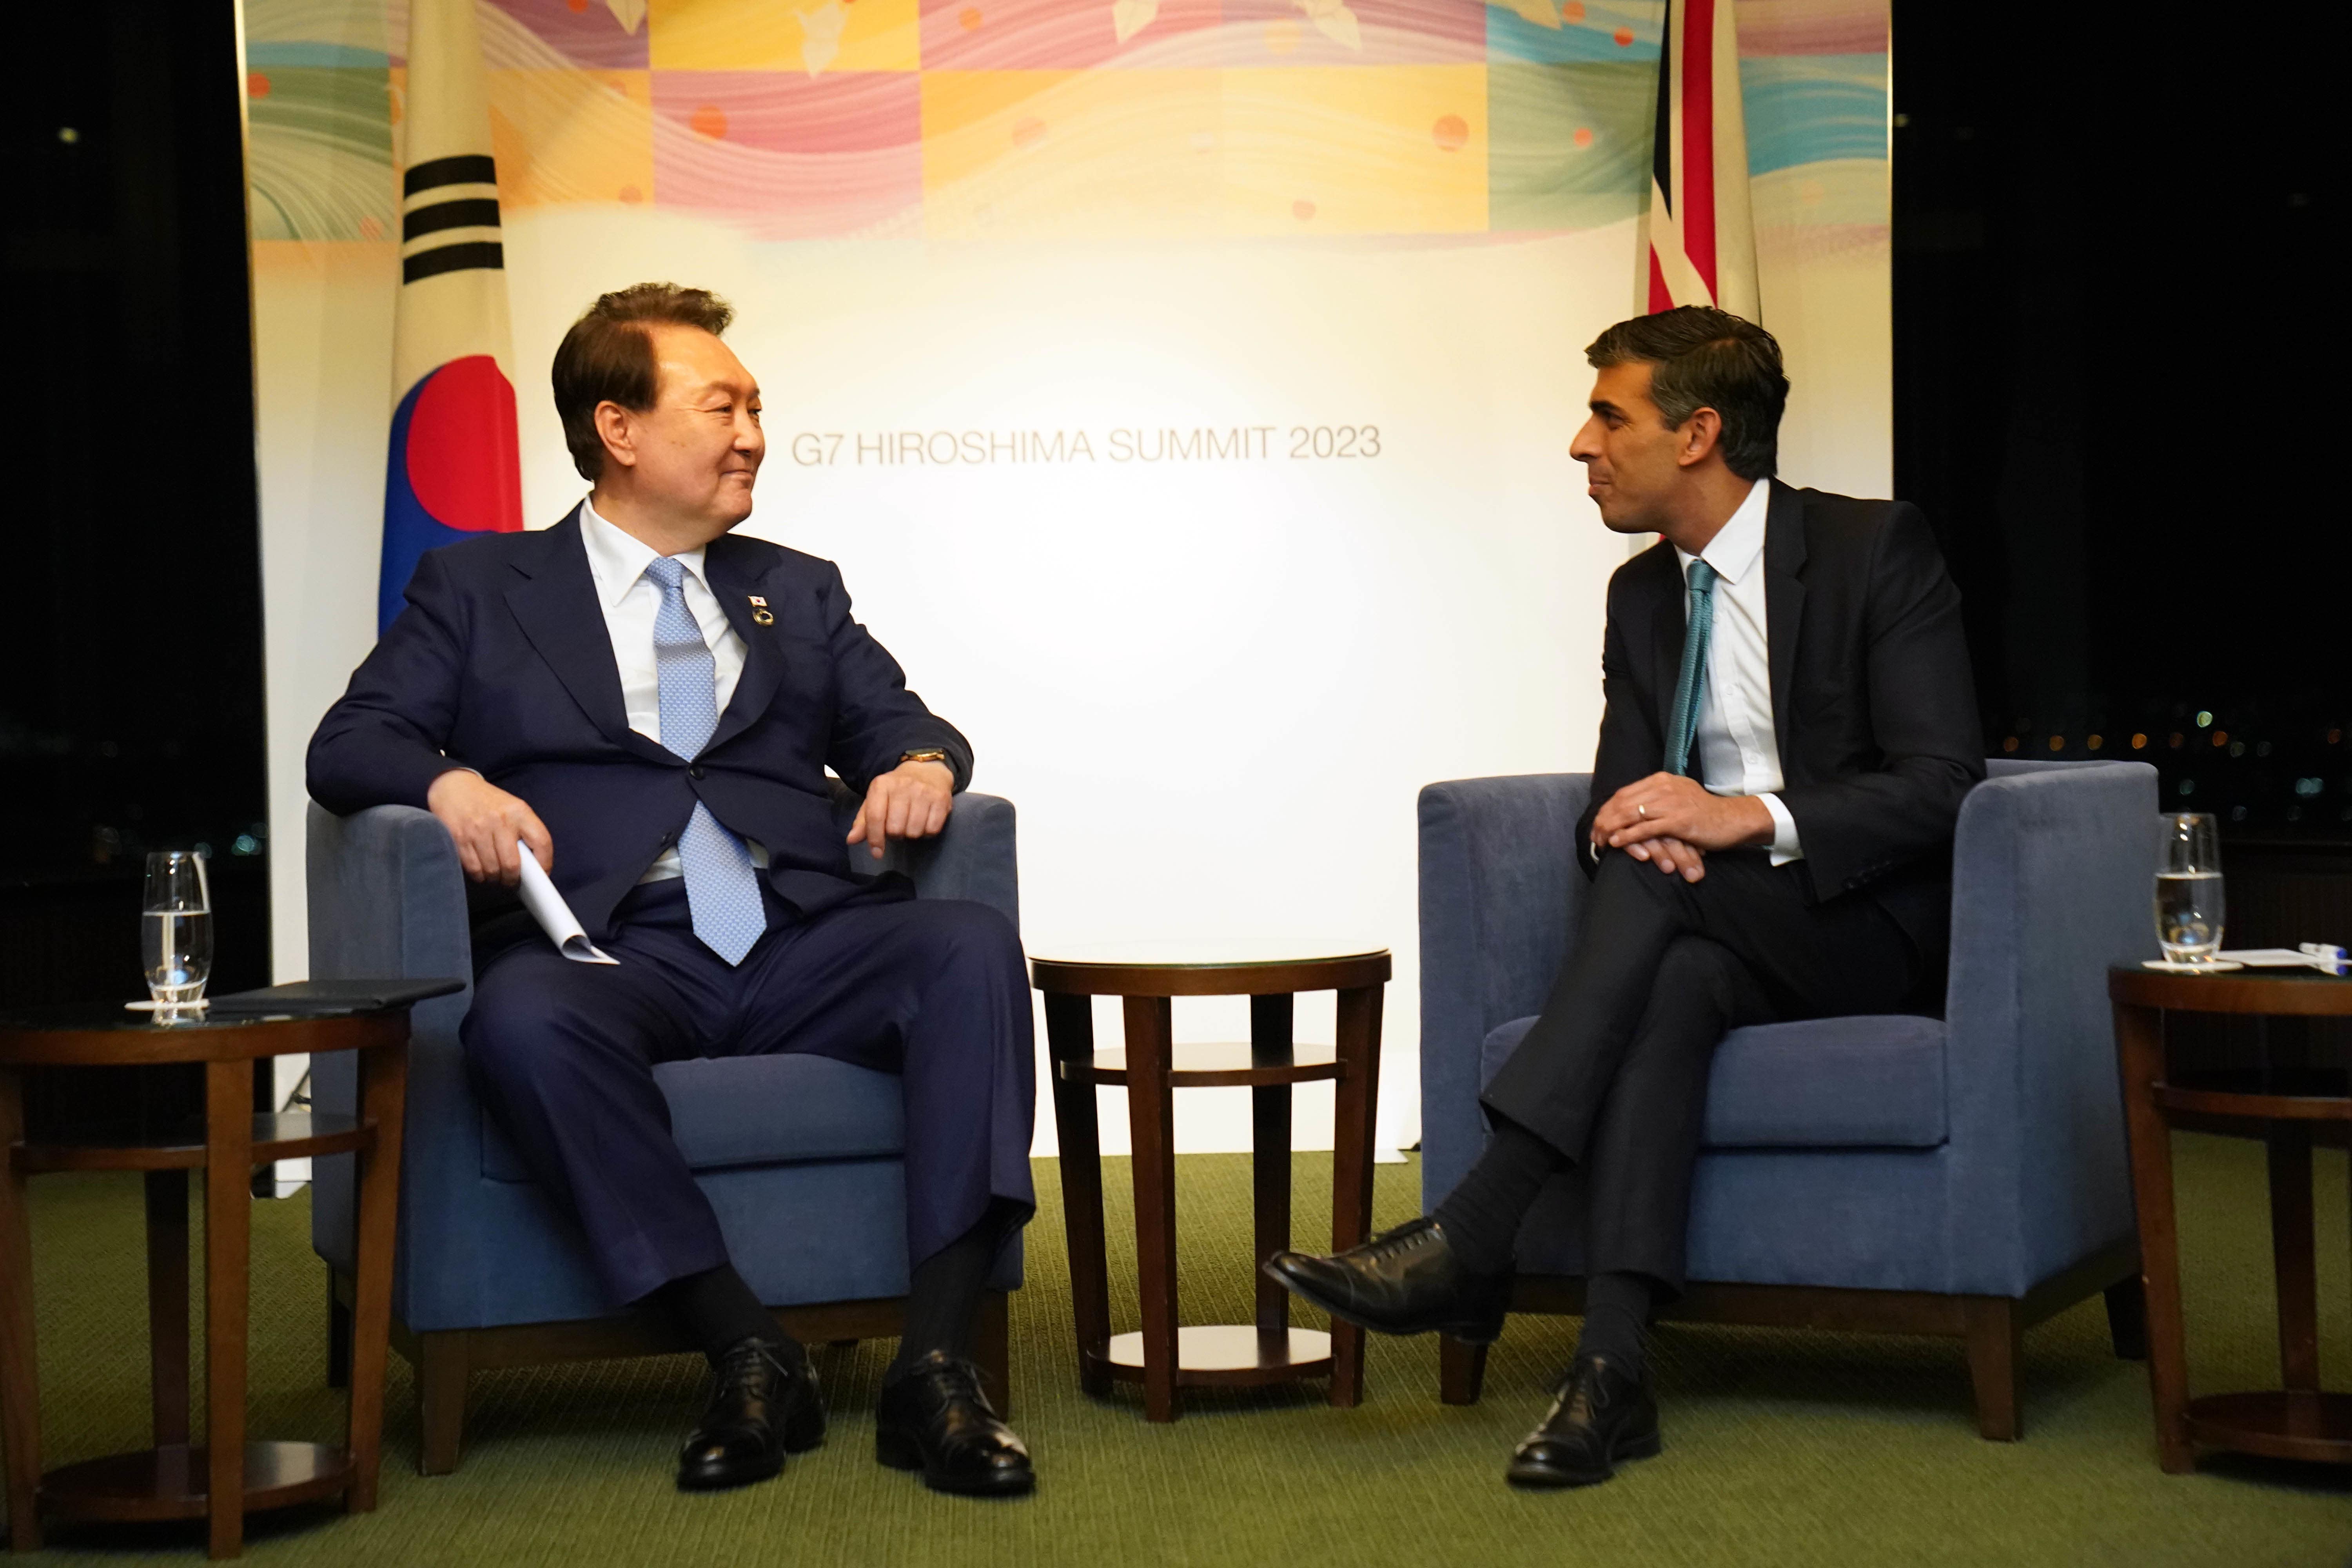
pixel 799 1154
pixel 1962 1176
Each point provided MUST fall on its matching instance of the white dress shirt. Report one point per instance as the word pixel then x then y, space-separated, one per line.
pixel 1738 751
pixel 617 561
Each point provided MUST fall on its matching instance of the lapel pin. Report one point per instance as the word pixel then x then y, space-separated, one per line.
pixel 760 616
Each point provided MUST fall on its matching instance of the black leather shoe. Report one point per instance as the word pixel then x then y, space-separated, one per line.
pixel 764 1403
pixel 933 1417
pixel 1600 1416
pixel 1404 1281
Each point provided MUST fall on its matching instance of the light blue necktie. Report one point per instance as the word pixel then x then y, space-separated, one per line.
pixel 1690 685
pixel 722 887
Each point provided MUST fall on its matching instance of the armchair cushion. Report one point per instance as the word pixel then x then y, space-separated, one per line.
pixel 1867 1082
pixel 730 1112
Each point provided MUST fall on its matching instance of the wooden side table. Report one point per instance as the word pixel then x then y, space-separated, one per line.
pixel 2290 1109
pixel 1163 1357
pixel 227 1475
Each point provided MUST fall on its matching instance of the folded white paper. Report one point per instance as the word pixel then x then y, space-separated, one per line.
pixel 554 916
pixel 2311 956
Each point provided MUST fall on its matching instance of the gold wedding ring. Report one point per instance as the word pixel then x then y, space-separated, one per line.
pixel 1641 810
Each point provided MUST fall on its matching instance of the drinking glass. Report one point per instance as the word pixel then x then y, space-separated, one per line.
pixel 177 918
pixel 2189 888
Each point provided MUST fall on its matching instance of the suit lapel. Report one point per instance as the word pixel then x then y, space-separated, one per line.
pixel 557 608
pixel 1784 599
pixel 1667 630
pixel 733 582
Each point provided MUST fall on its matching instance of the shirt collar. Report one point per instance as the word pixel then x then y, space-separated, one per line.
pixel 1739 543
pixel 617 558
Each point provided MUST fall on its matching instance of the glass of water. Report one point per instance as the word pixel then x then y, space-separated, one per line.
pixel 2188 910
pixel 177 918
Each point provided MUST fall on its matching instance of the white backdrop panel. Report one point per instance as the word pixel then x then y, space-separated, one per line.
pixel 1211 685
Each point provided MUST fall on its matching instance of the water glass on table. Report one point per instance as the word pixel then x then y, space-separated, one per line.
pixel 2189 909
pixel 177 931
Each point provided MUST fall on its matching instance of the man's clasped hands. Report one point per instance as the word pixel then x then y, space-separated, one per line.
pixel 1673 822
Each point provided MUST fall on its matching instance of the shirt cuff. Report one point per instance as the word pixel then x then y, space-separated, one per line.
pixel 1785 847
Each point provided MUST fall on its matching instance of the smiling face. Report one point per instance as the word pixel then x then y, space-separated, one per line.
pixel 1634 462
pixel 690 460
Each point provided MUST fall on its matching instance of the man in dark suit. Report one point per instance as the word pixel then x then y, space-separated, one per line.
pixel 1790 729
pixel 647 705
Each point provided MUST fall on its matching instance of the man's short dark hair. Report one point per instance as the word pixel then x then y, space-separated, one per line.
pixel 1706 358
pixel 608 357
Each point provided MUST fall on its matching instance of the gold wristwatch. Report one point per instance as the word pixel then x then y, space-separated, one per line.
pixel 926 755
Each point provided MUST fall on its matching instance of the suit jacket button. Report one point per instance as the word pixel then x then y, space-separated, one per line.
pixel 695 772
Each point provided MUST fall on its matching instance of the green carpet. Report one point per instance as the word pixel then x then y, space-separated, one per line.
pixel 1782 1447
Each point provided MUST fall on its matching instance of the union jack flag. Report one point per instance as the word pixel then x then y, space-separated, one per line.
pixel 1700 242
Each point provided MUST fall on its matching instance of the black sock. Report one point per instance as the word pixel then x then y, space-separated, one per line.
pixel 1616 1308
pixel 944 1295
pixel 719 1310
pixel 1482 1213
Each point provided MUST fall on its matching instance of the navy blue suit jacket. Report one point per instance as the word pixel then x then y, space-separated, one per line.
pixel 501 663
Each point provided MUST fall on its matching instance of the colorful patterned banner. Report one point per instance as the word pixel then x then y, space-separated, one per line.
pixel 1110 119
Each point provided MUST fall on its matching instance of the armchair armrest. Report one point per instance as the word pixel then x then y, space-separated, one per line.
pixel 1500 896
pixel 387 897
pixel 2051 876
pixel 974 857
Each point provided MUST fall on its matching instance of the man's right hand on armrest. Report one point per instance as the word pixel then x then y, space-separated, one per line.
pixel 484 821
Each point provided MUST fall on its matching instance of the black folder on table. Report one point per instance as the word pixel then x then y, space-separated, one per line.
pixel 329 998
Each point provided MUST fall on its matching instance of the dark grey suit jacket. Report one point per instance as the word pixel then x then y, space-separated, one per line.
pixel 1873 702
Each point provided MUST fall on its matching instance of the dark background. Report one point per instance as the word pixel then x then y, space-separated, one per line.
pixel 2110 333
pixel 2109 325
pixel 130 653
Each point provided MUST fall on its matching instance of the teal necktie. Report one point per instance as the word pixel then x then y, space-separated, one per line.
pixel 1690 684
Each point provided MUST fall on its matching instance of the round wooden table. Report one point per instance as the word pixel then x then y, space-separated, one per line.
pixel 1148 975
pixel 227 1475
pixel 2290 1108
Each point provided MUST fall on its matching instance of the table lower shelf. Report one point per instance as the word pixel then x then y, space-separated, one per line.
pixel 288 1135
pixel 1225 1356
pixel 169 1482
pixel 1209 1065
pixel 2290 1424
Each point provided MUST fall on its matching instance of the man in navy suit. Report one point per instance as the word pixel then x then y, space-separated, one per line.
pixel 647 705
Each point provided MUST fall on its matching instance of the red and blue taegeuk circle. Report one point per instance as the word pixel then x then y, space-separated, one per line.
pixel 454 471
